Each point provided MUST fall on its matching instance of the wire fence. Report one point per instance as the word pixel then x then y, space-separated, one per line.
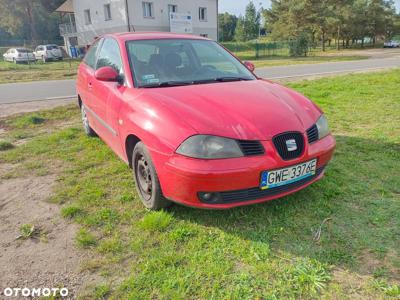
pixel 259 50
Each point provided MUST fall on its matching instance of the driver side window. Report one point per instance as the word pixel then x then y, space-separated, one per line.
pixel 110 56
pixel 90 57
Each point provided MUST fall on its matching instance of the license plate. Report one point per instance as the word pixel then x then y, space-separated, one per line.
pixel 275 178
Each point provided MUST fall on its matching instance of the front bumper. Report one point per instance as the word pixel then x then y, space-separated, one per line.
pixel 238 179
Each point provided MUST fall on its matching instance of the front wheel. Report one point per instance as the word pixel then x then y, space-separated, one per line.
pixel 147 183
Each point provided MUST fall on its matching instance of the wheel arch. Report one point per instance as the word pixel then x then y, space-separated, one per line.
pixel 130 143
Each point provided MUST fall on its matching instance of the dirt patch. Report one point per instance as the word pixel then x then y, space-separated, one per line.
pixel 353 284
pixel 369 264
pixel 16 108
pixel 48 259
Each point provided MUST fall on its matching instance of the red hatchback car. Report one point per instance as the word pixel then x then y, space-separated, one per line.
pixel 196 125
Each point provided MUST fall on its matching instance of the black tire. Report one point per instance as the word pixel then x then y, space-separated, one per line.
pixel 85 121
pixel 147 183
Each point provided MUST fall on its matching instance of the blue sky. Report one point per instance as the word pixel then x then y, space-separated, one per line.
pixel 237 7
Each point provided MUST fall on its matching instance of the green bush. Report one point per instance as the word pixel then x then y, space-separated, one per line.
pixel 299 46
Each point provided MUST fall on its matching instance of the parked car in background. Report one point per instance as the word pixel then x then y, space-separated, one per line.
pixel 48 52
pixel 391 44
pixel 19 55
pixel 197 126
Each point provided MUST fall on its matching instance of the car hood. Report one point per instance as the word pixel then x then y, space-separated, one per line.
pixel 248 110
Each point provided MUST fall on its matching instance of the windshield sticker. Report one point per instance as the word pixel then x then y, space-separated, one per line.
pixel 155 80
pixel 148 77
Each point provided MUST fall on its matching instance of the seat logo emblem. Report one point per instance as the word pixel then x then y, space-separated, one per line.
pixel 291 145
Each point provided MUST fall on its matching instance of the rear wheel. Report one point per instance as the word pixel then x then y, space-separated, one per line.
pixel 147 183
pixel 85 121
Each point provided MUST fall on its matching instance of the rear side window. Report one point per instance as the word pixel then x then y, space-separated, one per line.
pixel 110 56
pixel 90 57
pixel 20 50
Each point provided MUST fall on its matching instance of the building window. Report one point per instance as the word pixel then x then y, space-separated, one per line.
pixel 148 10
pixel 203 14
pixel 88 19
pixel 107 12
pixel 172 9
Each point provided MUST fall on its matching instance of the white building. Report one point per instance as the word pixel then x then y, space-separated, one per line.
pixel 86 19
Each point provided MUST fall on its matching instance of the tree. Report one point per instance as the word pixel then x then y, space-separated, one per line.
pixel 381 15
pixel 240 31
pixel 251 21
pixel 227 26
pixel 323 20
pixel 248 27
pixel 29 19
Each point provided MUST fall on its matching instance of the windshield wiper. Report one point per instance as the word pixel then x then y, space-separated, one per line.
pixel 201 81
pixel 167 84
pixel 221 79
pixel 232 78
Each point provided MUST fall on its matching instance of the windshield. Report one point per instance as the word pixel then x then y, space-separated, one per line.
pixel 51 47
pixel 21 50
pixel 173 62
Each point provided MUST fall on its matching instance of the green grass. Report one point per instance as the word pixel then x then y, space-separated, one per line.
pixel 5 145
pixel 85 239
pixel 26 231
pixel 156 221
pixel 10 72
pixel 264 251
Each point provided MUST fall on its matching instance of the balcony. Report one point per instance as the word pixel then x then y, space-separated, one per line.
pixel 67 29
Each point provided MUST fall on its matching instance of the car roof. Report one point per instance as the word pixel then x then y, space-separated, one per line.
pixel 132 36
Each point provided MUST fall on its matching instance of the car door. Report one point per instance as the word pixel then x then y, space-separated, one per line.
pixel 85 80
pixel 108 95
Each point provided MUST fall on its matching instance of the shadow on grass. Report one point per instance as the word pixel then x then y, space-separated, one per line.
pixel 360 193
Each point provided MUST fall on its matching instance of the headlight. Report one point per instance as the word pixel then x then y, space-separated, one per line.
pixel 210 147
pixel 323 127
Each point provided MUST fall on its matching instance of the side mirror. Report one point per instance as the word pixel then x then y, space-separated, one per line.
pixel 107 74
pixel 249 65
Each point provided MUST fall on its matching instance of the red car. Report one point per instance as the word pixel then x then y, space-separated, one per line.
pixel 196 125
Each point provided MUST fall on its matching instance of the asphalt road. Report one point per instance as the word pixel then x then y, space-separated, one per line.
pixel 324 69
pixel 62 89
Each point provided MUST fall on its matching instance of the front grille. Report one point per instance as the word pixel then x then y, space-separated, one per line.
pixel 251 148
pixel 257 193
pixel 312 134
pixel 280 142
